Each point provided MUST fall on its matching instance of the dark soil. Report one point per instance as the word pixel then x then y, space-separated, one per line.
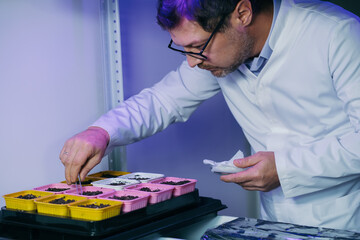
pixel 27 196
pixel 175 183
pixel 95 205
pixel 117 183
pixel 128 197
pixel 62 201
pixel 146 189
pixel 85 182
pixel 57 189
pixel 91 193
pixel 107 175
pixel 137 177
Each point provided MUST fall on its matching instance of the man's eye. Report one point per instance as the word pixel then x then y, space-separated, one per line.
pixel 199 47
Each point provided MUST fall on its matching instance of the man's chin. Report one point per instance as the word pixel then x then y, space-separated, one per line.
pixel 218 73
pixel 214 71
pixel 221 72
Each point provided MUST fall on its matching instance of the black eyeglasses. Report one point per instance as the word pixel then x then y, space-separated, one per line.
pixel 199 55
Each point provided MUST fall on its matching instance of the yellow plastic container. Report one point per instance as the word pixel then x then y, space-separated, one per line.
pixel 87 181
pixel 13 202
pixel 94 214
pixel 45 207
pixel 108 174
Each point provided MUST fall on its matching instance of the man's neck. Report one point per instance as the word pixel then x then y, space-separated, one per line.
pixel 260 29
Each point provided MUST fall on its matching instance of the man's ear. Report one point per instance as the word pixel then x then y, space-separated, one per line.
pixel 242 13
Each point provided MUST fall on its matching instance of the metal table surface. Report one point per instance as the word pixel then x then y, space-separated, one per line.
pixel 193 231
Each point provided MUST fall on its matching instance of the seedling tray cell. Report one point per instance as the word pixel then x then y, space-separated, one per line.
pixel 45 206
pixel 140 200
pixel 181 185
pixel 14 202
pixel 87 181
pixel 143 176
pixel 158 192
pixel 115 183
pixel 56 188
pixel 82 209
pixel 90 191
pixel 108 174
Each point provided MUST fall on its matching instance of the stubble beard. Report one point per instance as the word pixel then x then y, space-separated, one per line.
pixel 243 47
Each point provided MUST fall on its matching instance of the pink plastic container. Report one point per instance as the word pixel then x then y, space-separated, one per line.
pixel 181 185
pixel 129 205
pixel 159 192
pixel 57 188
pixel 89 189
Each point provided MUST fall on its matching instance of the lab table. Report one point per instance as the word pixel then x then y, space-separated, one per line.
pixel 242 228
pixel 250 228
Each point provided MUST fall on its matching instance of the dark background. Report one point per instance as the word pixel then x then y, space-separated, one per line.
pixel 351 5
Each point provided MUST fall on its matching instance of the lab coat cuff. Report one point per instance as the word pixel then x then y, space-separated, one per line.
pixel 112 131
pixel 283 175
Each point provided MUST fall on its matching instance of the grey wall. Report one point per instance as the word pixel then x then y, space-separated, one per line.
pixel 51 86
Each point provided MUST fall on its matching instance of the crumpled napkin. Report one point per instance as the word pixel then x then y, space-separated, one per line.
pixel 225 166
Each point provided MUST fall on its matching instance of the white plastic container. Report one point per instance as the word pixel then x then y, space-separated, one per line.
pixel 115 183
pixel 142 176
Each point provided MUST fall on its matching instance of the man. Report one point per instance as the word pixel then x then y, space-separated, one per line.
pixel 290 73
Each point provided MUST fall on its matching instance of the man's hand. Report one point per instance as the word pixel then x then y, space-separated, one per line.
pixel 83 152
pixel 261 176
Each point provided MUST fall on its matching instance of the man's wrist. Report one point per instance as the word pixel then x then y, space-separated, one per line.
pixel 102 131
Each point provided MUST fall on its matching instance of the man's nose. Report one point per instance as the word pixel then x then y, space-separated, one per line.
pixel 193 61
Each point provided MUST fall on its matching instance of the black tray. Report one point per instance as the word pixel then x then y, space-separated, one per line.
pixel 130 225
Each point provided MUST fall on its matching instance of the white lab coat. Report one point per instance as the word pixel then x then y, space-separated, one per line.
pixel 304 105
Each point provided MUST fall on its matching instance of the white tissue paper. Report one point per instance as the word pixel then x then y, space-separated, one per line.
pixel 225 166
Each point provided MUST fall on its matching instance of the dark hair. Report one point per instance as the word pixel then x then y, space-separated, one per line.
pixel 206 12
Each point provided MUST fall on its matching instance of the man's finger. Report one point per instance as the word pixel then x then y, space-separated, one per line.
pixel 245 162
pixel 235 177
pixel 90 164
pixel 67 157
pixel 250 160
pixel 73 168
pixel 65 153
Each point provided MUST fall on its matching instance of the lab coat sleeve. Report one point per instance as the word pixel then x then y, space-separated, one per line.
pixel 335 159
pixel 171 100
